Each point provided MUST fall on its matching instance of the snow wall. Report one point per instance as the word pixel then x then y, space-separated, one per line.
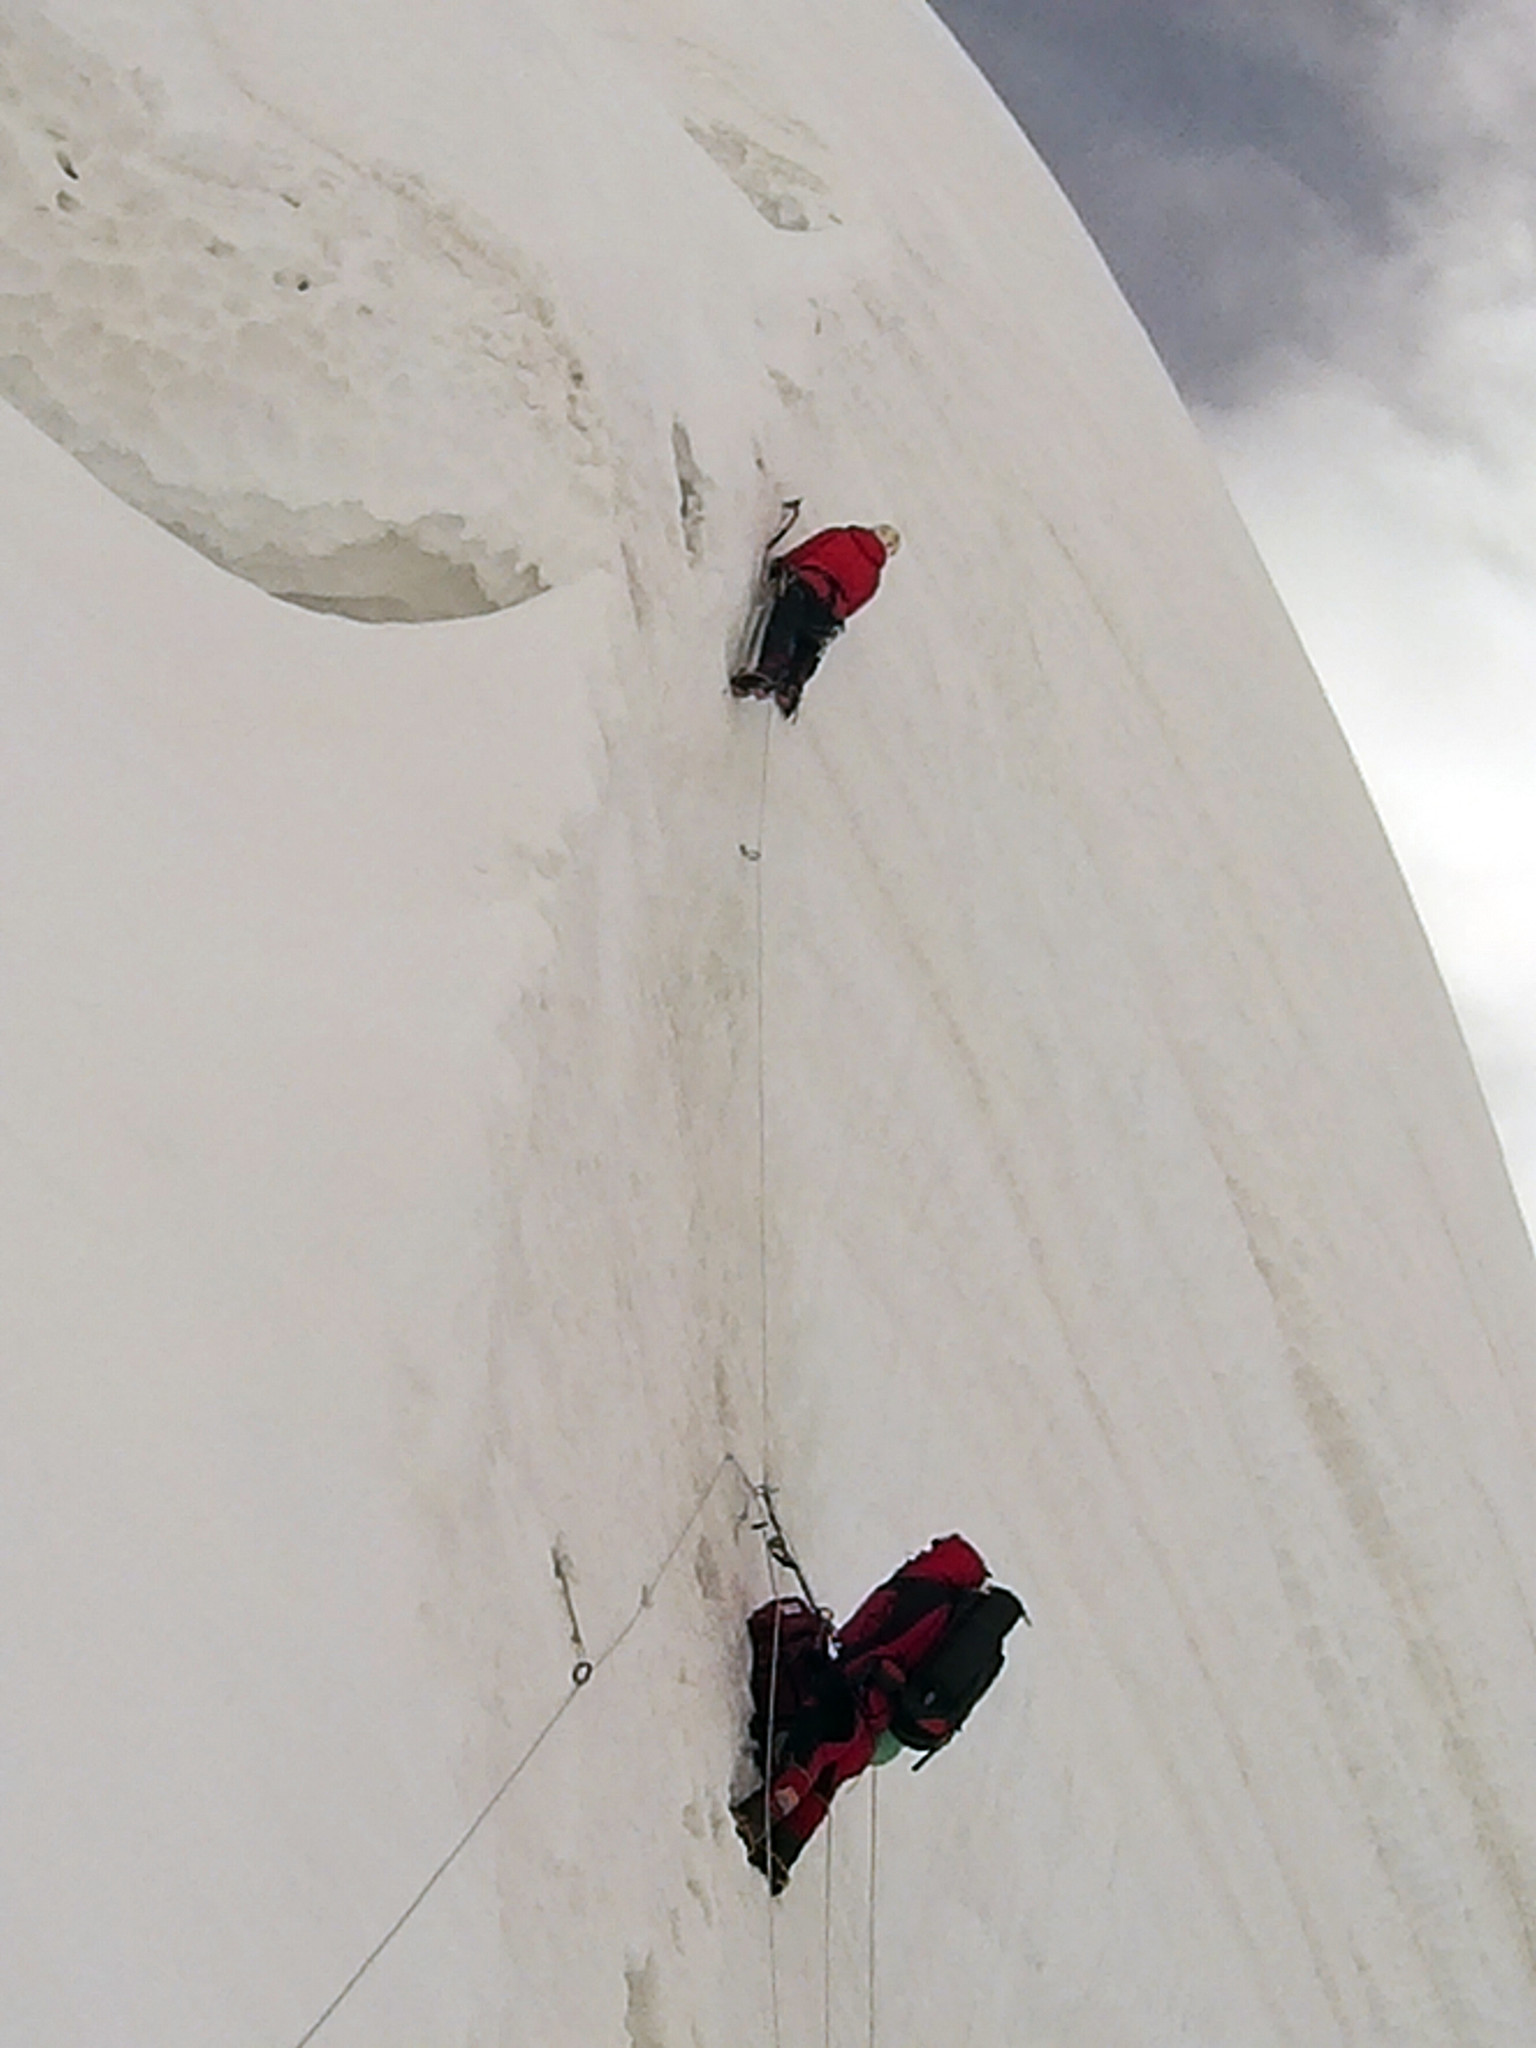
pixel 386 1010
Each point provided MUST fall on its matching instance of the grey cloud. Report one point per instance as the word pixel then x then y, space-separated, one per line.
pixel 1325 213
pixel 1245 169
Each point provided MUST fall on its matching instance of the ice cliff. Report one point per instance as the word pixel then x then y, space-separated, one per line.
pixel 428 1144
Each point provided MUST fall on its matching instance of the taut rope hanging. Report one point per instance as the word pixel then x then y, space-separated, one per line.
pixel 577 1686
pixel 773 1689
pixel 874 1871
pixel 826 1945
pixel 762 1116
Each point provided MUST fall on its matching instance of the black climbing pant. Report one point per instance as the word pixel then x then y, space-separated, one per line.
pixel 800 627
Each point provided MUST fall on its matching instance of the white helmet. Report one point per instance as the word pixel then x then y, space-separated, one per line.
pixel 888 538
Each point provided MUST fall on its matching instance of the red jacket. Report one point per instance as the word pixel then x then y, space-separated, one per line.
pixel 878 1647
pixel 841 564
pixel 902 1621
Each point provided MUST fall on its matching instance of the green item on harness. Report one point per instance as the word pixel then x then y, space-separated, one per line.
pixel 886 1747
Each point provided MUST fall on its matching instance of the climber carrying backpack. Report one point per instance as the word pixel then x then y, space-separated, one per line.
pixel 814 590
pixel 903 1672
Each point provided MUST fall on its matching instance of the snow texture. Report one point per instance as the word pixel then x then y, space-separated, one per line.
pixel 379 1103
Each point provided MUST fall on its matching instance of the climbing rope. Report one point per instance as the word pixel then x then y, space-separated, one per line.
pixel 590 1668
pixel 874 1872
pixel 766 1525
pixel 826 1945
pixel 773 1694
pixel 762 1113
pixel 789 512
pixel 776 1546
pixel 779 1554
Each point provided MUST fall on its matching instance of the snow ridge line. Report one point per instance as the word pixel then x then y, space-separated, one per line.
pixel 642 1606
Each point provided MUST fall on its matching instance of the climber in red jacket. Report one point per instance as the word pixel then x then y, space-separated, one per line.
pixel 903 1672
pixel 817 587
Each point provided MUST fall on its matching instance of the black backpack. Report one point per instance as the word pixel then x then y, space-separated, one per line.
pixel 941 1692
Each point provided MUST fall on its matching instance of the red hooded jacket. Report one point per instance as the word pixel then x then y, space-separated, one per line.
pixel 879 1647
pixel 841 564
pixel 883 1643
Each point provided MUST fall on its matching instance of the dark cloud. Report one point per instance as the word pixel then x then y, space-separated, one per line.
pixel 1244 176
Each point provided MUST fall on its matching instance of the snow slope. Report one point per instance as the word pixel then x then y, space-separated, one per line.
pixel 379 1111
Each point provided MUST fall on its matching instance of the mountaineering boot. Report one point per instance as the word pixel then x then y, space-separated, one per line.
pixel 787 696
pixel 750 1819
pixel 778 1868
pixel 750 684
pixel 772 1857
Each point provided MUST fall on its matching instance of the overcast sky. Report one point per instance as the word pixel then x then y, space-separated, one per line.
pixel 1325 215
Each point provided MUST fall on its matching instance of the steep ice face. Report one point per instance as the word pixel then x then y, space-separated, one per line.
pixel 304 366
pixel 428 1148
pixel 308 361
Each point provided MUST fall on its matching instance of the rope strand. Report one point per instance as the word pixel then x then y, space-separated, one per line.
pixel 762 1108
pixel 773 1689
pixel 762 1490
pixel 874 1868
pixel 587 1669
pixel 826 1947
pixel 642 1606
